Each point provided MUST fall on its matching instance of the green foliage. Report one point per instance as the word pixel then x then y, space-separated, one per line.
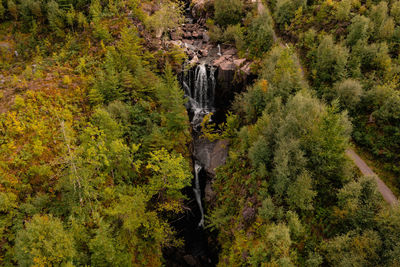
pixel 358 30
pixel 234 35
pixel 44 241
pixel 343 9
pixel 12 8
pixel 354 249
pixel 55 16
pixel 382 24
pixel 395 11
pixel 228 12
pixel 168 17
pixel 171 98
pixel 260 36
pixel 282 70
pixel 330 61
pixel 285 11
pixel 2 9
pixel 274 249
pixel 300 194
pixel 349 93
pixel 171 173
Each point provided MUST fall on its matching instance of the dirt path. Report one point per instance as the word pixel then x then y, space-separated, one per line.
pixel 365 170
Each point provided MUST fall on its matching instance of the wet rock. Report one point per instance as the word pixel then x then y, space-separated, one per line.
pixel 231 51
pixel 206 38
pixel 198 43
pixel 218 156
pixel 211 154
pixel 187 41
pixel 203 53
pixel 190 47
pixel 191 54
pixel 194 60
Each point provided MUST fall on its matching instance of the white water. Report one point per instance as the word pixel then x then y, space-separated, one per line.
pixel 219 50
pixel 201 97
pixel 200 90
pixel 197 191
pixel 201 86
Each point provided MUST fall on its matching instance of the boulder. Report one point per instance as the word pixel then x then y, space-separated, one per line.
pixel 218 155
pixel 195 35
pixel 246 68
pixel 206 38
pixel 203 52
pixel 239 62
pixel 221 59
pixel 190 46
pixel 227 66
pixel 186 41
pixel 175 36
pixel 187 35
pixel 231 51
pixel 194 60
pixel 211 154
pixel 177 43
pixel 197 43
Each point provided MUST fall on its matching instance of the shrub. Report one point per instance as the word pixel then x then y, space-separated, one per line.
pixel 348 92
pixel 233 34
pixel 285 11
pixel 260 37
pixel 283 73
pixel 373 57
pixel 228 12
pixel 395 11
pixel 358 30
pixel 44 242
pixel 169 16
pixel 343 10
pixel 330 61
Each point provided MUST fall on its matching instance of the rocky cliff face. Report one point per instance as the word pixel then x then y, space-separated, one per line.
pixel 233 73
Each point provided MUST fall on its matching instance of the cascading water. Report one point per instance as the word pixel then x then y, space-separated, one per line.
pixel 197 191
pixel 199 88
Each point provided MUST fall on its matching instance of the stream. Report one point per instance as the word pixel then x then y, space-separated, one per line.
pixel 209 82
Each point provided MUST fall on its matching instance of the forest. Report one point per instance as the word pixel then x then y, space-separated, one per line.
pixel 97 140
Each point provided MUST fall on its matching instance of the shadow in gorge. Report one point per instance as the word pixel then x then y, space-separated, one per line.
pixel 200 246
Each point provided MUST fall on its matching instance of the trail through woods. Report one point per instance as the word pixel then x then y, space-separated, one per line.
pixel 365 170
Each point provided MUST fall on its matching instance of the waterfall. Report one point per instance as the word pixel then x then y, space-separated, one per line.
pixel 219 50
pixel 199 88
pixel 197 191
pixel 199 84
